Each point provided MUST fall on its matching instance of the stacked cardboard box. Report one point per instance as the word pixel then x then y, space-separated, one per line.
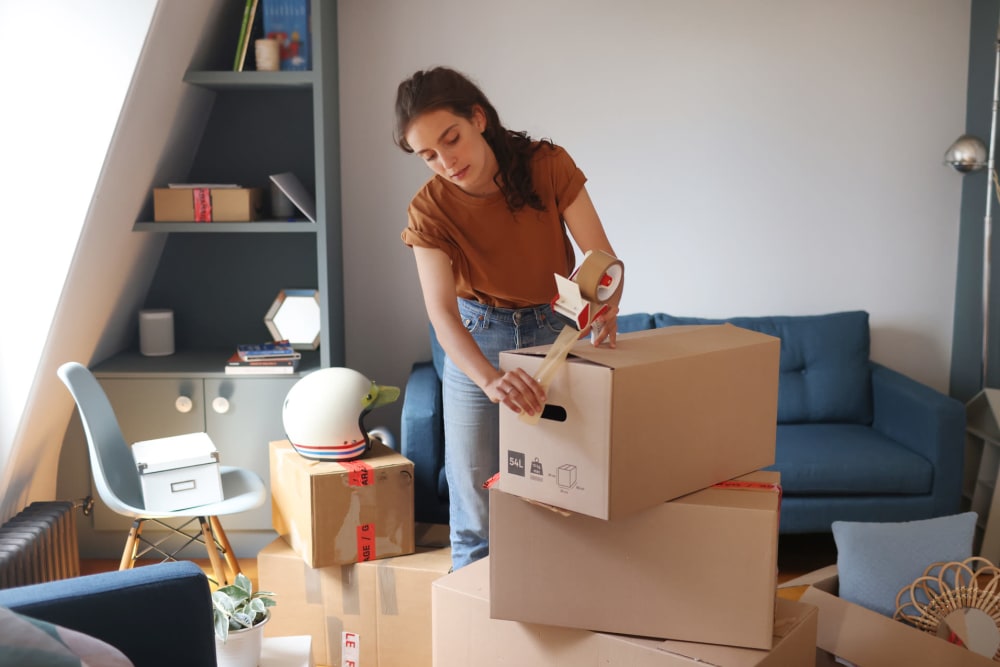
pixel 648 513
pixel 346 564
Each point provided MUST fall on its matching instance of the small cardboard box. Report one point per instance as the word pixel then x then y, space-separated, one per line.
pixel 464 635
pixel 324 603
pixel 178 472
pixel 667 412
pixel 339 513
pixel 700 568
pixel 865 637
pixel 207 204
pixel 403 593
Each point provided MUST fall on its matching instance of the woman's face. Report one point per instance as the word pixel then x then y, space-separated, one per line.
pixel 454 148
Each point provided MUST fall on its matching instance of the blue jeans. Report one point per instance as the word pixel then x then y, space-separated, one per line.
pixel 472 420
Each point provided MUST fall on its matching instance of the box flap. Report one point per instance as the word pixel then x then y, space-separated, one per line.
pixel 868 638
pixel 652 345
pixel 177 451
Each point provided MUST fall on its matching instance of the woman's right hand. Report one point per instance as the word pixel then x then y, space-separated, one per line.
pixel 517 390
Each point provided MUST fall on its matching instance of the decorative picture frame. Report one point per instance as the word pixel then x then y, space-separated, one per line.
pixel 957 601
pixel 295 316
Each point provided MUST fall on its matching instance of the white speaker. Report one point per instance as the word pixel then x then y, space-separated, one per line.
pixel 156 332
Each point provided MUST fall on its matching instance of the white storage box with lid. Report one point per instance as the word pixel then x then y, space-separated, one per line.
pixel 178 472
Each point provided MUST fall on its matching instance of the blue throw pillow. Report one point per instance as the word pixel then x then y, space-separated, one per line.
pixel 876 560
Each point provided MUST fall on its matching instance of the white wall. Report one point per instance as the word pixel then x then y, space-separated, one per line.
pixel 66 70
pixel 774 157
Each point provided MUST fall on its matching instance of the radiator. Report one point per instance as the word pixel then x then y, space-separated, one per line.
pixel 39 544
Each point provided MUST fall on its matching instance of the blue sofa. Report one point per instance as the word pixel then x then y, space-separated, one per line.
pixel 157 615
pixel 856 441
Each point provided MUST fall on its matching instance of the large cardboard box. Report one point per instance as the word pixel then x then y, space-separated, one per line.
pixel 667 412
pixel 207 204
pixel 324 603
pixel 464 635
pixel 700 568
pixel 340 513
pixel 178 472
pixel 865 637
pixel 403 602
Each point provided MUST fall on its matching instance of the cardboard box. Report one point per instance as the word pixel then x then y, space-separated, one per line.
pixel 207 204
pixel 700 568
pixel 383 605
pixel 464 635
pixel 403 594
pixel 178 472
pixel 865 637
pixel 324 603
pixel 667 412
pixel 340 513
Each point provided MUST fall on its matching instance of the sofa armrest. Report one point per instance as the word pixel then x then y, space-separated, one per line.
pixel 926 421
pixel 422 440
pixel 156 614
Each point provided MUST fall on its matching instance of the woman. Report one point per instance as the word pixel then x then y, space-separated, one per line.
pixel 488 232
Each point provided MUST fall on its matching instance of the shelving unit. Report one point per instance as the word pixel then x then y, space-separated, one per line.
pixel 221 278
pixel 982 465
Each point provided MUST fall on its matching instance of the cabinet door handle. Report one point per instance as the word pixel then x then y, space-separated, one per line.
pixel 220 404
pixel 183 404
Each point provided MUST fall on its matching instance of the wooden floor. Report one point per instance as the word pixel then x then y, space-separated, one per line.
pixel 797 555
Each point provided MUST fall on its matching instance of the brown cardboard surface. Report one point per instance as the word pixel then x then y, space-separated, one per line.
pixel 667 412
pixel 320 602
pixel 700 568
pixel 322 512
pixel 228 204
pixel 403 595
pixel 868 638
pixel 464 635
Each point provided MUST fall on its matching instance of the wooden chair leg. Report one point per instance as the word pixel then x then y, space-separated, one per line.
pixel 131 544
pixel 227 550
pixel 213 553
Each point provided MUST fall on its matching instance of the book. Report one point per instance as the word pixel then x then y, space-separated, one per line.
pixel 288 22
pixel 281 349
pixel 236 365
pixel 246 30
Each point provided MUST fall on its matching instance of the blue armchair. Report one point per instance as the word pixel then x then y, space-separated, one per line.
pixel 856 441
pixel 156 614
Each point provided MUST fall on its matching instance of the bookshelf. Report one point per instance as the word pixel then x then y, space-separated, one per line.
pixel 221 278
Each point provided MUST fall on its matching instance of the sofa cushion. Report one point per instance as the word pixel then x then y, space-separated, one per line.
pixel 847 459
pixel 824 371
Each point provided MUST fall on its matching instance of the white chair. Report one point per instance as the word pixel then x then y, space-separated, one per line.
pixel 117 481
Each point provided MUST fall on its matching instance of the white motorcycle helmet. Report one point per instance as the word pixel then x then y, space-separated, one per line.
pixel 324 412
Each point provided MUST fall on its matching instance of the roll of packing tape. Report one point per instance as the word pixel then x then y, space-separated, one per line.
pixel 599 277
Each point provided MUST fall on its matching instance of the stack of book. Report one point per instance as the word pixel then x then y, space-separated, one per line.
pixel 276 358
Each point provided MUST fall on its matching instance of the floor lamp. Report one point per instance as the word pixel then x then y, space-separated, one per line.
pixel 969 153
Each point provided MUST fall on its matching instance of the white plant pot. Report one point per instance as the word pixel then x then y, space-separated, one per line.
pixel 242 648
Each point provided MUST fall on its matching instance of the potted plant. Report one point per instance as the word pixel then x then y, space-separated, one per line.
pixel 240 615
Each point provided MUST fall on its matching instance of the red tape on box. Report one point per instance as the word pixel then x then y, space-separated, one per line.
pixel 359 473
pixel 752 486
pixel 202 198
pixel 366 542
